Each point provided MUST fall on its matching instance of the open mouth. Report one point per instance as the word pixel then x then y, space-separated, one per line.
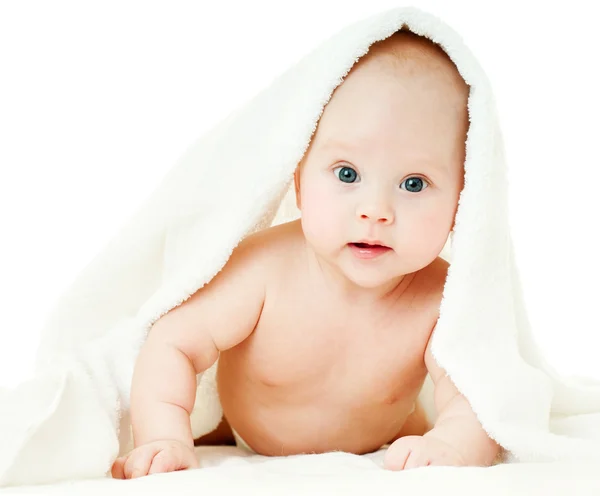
pixel 367 250
pixel 366 246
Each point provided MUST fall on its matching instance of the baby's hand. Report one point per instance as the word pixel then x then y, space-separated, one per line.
pixel 420 451
pixel 155 457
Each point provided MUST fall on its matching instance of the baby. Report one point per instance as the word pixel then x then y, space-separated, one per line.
pixel 322 325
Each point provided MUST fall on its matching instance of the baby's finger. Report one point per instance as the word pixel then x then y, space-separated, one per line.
pixel 165 461
pixel 117 468
pixel 138 463
pixel 395 459
pixel 415 460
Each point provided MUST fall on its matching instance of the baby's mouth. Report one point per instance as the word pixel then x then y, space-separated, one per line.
pixel 366 246
pixel 367 250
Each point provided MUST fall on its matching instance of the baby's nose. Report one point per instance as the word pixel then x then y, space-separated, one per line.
pixel 376 213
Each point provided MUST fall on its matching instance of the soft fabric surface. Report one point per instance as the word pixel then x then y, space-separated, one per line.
pixel 228 470
pixel 64 423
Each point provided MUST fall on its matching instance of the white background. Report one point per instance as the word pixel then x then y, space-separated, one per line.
pixel 99 99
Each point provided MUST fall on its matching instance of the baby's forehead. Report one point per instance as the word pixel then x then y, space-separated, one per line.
pixel 407 49
pixel 405 69
pixel 406 56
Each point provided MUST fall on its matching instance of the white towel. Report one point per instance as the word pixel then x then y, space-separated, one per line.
pixel 73 413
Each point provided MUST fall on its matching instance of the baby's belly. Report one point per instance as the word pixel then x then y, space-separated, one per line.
pixel 315 412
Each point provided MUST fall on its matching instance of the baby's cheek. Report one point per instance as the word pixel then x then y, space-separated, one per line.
pixel 321 219
pixel 429 234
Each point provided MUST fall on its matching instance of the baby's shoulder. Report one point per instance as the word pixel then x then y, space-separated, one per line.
pixel 272 248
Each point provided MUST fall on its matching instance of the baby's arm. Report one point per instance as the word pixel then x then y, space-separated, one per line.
pixel 457 437
pixel 457 425
pixel 185 342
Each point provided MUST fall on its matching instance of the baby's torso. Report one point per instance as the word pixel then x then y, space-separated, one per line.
pixel 317 376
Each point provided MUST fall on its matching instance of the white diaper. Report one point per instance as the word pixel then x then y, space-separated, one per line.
pixel 240 443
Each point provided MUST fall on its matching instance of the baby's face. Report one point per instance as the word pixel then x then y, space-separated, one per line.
pixel 386 167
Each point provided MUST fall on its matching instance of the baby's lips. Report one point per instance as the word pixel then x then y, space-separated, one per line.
pixel 365 244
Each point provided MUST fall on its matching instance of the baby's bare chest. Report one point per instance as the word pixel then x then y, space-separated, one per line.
pixel 306 343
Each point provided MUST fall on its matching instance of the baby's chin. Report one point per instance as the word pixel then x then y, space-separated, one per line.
pixel 372 277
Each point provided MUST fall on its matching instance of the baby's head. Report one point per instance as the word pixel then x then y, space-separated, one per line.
pixel 386 162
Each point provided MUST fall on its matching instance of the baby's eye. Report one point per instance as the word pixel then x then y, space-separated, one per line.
pixel 414 184
pixel 346 174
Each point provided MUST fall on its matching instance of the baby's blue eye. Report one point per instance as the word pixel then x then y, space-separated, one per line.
pixel 414 184
pixel 346 174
